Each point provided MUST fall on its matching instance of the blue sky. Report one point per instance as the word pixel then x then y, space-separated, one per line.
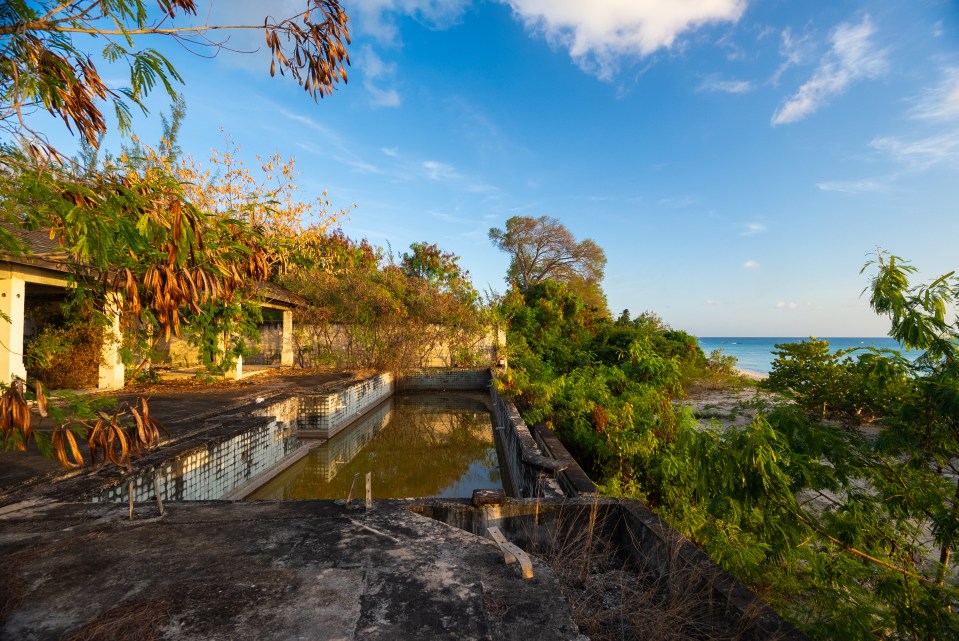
pixel 736 159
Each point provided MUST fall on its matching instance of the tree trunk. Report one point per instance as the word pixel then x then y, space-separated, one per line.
pixel 946 552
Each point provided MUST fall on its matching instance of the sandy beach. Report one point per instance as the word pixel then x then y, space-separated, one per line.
pixel 751 375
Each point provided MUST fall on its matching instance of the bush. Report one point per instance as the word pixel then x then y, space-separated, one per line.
pixel 65 354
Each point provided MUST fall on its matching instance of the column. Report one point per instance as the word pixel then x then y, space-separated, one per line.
pixel 286 353
pixel 12 296
pixel 236 371
pixel 111 363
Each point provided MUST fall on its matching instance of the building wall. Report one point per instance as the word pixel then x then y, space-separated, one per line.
pixel 316 346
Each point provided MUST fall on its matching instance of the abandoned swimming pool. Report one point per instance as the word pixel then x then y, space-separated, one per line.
pixel 428 435
pixel 413 444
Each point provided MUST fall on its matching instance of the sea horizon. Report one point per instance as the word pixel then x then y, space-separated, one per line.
pixel 755 353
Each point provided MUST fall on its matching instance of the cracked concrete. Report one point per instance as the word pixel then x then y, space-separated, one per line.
pixel 258 570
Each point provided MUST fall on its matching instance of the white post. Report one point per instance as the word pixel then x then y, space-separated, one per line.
pixel 233 373
pixel 111 365
pixel 286 353
pixel 12 295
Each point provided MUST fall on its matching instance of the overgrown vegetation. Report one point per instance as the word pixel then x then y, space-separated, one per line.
pixel 367 311
pixel 848 531
pixel 130 224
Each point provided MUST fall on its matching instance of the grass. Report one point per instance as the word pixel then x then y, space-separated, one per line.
pixel 617 589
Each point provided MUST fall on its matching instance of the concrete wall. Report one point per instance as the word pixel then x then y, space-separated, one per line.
pixel 215 469
pixel 326 414
pixel 316 346
pixel 323 346
pixel 520 447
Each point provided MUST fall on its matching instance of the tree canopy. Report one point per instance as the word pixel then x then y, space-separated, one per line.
pixel 43 68
pixel 543 249
pixel 131 224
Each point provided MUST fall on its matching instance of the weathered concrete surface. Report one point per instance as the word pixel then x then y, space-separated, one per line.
pixel 181 406
pixel 263 570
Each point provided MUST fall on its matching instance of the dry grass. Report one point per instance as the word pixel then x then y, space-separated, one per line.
pixel 615 596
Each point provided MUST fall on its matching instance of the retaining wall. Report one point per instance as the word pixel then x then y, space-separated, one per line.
pixel 521 449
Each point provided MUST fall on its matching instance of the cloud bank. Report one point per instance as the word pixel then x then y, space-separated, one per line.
pixel 599 32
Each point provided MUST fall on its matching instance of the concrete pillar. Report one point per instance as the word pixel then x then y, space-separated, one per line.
pixel 111 365
pixel 286 353
pixel 236 371
pixel 501 349
pixel 12 297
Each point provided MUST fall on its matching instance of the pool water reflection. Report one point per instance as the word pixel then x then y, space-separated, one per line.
pixel 416 445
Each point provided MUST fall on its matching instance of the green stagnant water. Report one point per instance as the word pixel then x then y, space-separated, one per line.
pixel 415 445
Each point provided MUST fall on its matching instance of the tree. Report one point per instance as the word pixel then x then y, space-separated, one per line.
pixel 42 68
pixel 925 429
pixel 365 314
pixel 440 269
pixel 543 249
pixel 129 225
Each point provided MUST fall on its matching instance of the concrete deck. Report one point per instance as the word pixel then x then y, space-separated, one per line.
pixel 263 570
pixel 180 405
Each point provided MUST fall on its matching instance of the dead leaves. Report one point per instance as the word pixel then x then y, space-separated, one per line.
pixel 125 434
pixel 118 437
pixel 318 58
pixel 15 420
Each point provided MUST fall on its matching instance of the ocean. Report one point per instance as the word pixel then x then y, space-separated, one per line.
pixel 756 353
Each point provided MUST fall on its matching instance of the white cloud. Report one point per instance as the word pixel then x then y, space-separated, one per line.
pixel 853 186
pixel 392 152
pixel 376 18
pixel 794 49
pixel 717 84
pixel 376 71
pixel 752 229
pixel 713 303
pixel 311 123
pixel 438 170
pixel 853 56
pixel 942 101
pixel 922 153
pixel 677 202
pixel 598 32
pixel 785 305
pixel 750 264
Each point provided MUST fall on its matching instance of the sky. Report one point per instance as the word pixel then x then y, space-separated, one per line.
pixel 738 160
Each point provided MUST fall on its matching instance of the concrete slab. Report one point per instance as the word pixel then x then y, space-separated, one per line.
pixel 263 570
pixel 182 406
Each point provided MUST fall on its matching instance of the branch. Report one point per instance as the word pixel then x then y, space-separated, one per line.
pixel 860 553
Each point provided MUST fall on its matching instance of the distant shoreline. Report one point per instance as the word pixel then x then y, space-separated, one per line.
pixel 751 375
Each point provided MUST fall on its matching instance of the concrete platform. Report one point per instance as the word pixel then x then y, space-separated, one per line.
pixel 182 406
pixel 263 570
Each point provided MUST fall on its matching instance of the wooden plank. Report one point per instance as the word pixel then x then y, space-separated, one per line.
pixel 349 497
pixel 500 540
pixel 512 553
pixel 369 490
pixel 489 497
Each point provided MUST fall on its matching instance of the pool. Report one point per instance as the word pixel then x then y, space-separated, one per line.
pixel 414 445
